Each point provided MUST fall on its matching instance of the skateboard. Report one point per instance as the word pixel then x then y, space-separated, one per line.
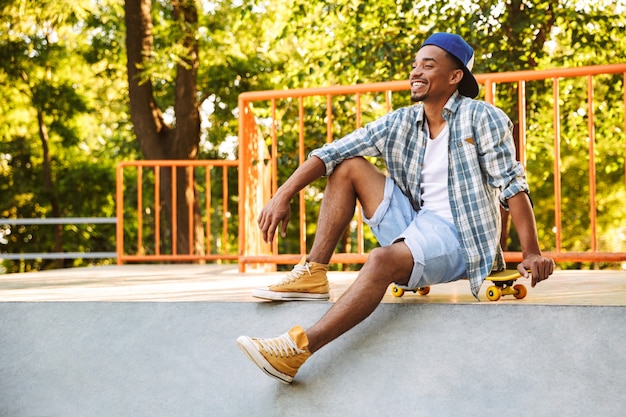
pixel 503 284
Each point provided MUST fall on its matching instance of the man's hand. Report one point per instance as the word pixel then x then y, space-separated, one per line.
pixel 524 220
pixel 277 211
pixel 540 267
pixel 274 213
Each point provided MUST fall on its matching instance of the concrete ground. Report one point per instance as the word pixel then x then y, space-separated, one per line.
pixel 148 340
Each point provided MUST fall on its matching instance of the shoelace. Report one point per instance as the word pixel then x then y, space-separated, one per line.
pixel 296 273
pixel 282 346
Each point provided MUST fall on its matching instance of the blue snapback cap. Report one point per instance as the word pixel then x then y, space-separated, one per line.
pixel 456 46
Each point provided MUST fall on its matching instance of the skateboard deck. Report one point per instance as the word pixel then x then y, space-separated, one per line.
pixel 503 284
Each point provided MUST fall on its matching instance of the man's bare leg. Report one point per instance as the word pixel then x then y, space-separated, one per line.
pixel 353 178
pixel 281 357
pixel 384 266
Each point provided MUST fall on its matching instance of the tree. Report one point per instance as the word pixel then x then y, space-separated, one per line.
pixel 183 62
pixel 157 139
pixel 52 86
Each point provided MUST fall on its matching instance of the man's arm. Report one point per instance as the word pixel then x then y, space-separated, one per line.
pixel 524 222
pixel 277 210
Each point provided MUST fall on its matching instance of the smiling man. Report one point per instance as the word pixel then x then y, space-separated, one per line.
pixel 451 165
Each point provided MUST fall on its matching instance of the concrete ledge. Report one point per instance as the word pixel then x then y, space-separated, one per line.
pixel 180 359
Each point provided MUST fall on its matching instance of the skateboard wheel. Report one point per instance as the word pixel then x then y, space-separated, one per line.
pixel 494 293
pixel 520 291
pixel 397 291
pixel 423 290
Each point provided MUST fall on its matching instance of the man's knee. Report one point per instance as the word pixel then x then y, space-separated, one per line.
pixel 367 181
pixel 393 264
pixel 347 168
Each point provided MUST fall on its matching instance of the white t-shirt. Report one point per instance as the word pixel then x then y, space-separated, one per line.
pixel 435 176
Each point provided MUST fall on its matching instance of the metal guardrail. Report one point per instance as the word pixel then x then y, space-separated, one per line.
pixel 58 255
pixel 60 220
pixel 154 248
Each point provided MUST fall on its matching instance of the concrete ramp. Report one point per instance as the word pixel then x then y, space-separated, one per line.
pixel 180 359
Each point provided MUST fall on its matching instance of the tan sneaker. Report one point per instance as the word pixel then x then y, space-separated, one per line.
pixel 280 357
pixel 306 281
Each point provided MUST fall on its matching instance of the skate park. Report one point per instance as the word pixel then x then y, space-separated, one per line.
pixel 155 340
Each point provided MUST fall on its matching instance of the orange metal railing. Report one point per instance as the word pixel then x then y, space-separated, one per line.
pixel 258 143
pixel 320 114
pixel 139 189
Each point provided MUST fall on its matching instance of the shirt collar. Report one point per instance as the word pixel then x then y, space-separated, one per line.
pixel 453 103
pixel 450 107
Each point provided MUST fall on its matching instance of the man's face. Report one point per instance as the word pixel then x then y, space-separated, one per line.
pixel 434 74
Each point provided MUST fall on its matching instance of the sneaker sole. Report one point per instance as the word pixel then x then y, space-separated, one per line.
pixel 288 296
pixel 250 349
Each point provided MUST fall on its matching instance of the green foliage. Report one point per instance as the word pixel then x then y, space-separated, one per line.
pixel 62 77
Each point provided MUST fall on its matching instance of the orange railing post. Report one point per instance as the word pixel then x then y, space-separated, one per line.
pixel 256 166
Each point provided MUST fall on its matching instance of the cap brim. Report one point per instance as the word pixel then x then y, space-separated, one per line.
pixel 468 86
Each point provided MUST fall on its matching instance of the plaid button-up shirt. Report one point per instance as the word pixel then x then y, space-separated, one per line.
pixel 482 170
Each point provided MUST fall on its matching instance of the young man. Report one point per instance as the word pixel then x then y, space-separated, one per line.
pixel 451 164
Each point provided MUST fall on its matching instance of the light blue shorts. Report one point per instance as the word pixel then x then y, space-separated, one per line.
pixel 432 240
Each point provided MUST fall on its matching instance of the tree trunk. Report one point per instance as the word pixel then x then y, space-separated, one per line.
pixel 157 140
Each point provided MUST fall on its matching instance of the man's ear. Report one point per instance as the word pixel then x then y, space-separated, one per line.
pixel 457 76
